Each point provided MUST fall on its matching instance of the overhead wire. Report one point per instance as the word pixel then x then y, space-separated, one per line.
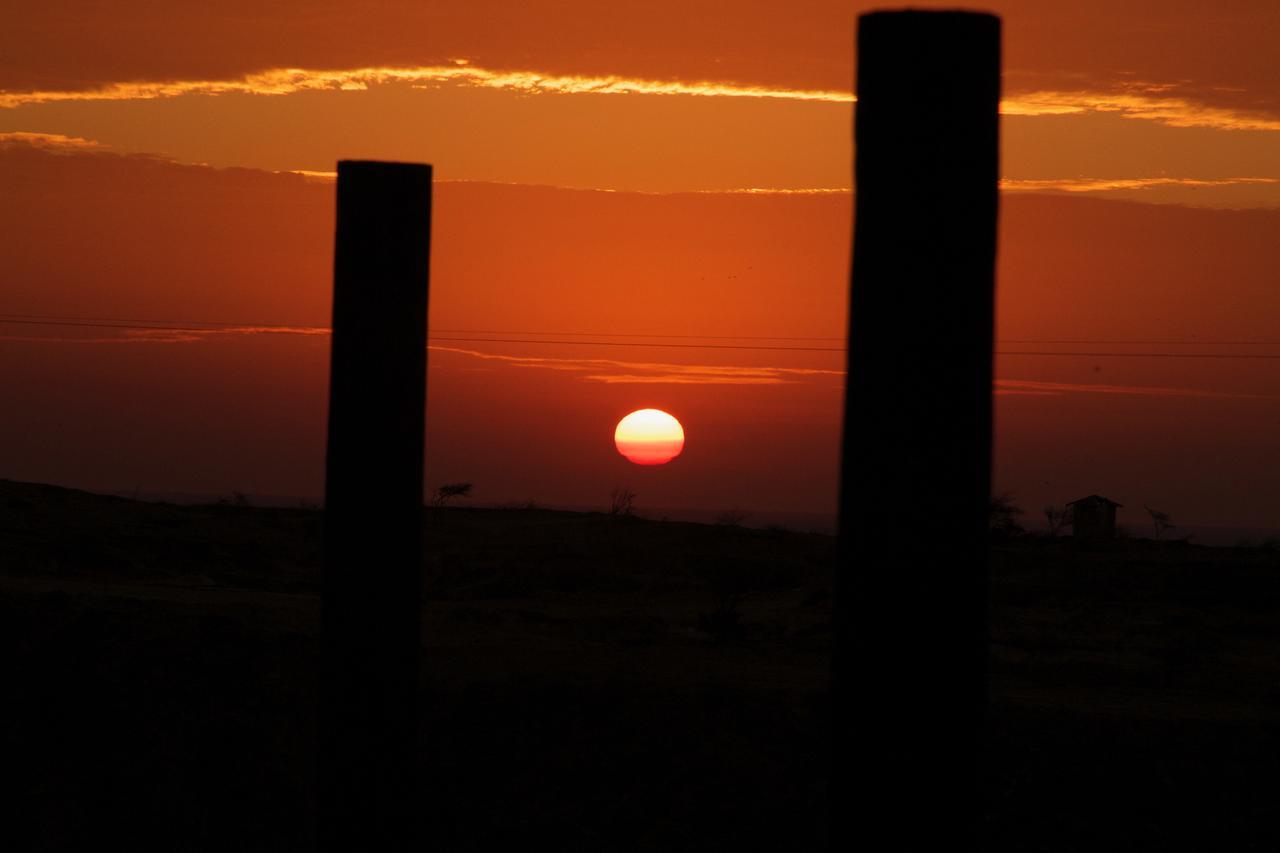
pixel 676 341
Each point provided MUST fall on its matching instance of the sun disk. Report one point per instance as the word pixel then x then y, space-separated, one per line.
pixel 649 437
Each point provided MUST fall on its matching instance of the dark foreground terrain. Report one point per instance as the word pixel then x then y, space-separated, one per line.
pixel 600 683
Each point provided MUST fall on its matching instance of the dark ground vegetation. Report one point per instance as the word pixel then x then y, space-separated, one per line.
pixel 594 682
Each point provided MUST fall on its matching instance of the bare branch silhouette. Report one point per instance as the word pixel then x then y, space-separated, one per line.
pixel 1161 520
pixel 621 502
pixel 1058 517
pixel 449 491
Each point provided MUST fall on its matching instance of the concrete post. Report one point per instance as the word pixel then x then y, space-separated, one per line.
pixel 910 657
pixel 372 596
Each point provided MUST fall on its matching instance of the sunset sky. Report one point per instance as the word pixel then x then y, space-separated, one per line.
pixel 638 205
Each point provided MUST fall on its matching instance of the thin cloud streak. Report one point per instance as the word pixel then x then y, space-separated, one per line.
pixel 1092 185
pixel 61 143
pixel 50 142
pixel 1148 101
pixel 57 142
pixel 286 81
pixel 633 379
pixel 657 373
pixel 777 191
pixel 1069 185
pixel 168 335
pixel 652 372
pixel 628 372
pixel 49 339
pixel 1038 388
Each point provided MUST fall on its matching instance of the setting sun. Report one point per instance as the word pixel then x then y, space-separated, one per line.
pixel 649 437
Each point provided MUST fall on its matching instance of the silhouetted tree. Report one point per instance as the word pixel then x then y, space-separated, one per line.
pixel 1003 518
pixel 1058 517
pixel 449 491
pixel 1161 520
pixel 621 501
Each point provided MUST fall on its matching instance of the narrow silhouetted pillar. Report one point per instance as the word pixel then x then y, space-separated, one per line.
pixel 910 658
pixel 372 599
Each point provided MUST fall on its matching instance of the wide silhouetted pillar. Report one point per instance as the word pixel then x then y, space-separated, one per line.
pixel 910 658
pixel 372 599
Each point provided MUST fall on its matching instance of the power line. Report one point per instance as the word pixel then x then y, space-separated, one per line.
pixel 1147 342
pixel 1220 355
pixel 181 325
pixel 199 325
pixel 108 325
pixel 209 326
pixel 635 344
pixel 635 335
pixel 1264 356
pixel 268 329
pixel 136 321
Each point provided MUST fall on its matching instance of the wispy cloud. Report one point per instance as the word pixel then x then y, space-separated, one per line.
pixel 779 191
pixel 158 335
pixel 1091 185
pixel 181 335
pixel 1037 388
pixel 49 141
pixel 603 370
pixel 1150 102
pixel 315 174
pixel 1039 185
pixel 617 371
pixel 285 81
pixel 61 339
pixel 59 143
pixel 610 370
pixel 1160 103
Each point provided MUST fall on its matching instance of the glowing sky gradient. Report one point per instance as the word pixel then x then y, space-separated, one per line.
pixel 172 169
pixel 1169 102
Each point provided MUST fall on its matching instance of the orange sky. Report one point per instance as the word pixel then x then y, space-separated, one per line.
pixel 1219 53
pixel 145 154
pixel 1179 101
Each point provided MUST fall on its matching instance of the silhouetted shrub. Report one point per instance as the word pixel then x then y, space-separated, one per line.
pixel 1057 518
pixel 449 491
pixel 1003 516
pixel 1161 520
pixel 621 502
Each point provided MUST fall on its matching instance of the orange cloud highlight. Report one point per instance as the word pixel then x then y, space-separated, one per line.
pixel 1147 101
pixel 49 141
pixel 1142 101
pixel 649 373
pixel 1089 185
pixel 286 81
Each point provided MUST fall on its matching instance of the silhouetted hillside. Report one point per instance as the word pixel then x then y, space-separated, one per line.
pixel 602 683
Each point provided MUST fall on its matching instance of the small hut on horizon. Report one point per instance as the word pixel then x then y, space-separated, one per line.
pixel 1093 517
